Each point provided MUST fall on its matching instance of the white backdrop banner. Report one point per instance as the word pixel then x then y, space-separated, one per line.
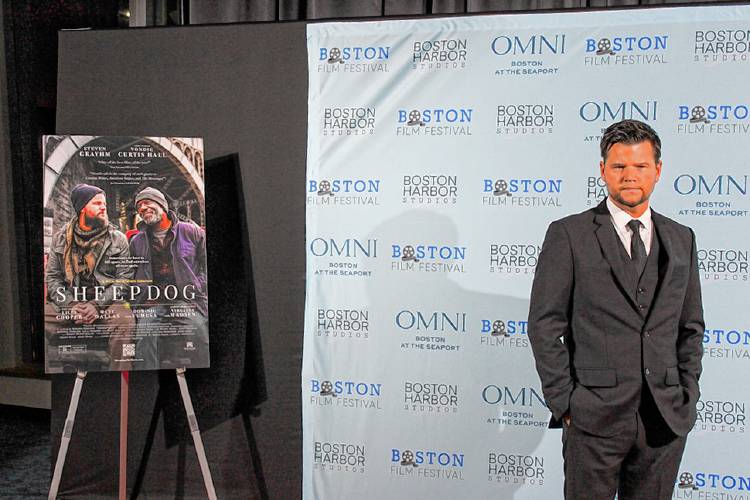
pixel 439 150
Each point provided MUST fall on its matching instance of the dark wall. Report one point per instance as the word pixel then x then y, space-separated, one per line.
pixel 243 88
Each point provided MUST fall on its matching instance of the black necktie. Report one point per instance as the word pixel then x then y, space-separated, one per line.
pixel 637 248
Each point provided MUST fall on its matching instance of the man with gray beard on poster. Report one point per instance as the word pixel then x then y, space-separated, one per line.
pixel 173 307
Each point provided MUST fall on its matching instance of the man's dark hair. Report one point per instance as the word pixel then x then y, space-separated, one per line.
pixel 630 132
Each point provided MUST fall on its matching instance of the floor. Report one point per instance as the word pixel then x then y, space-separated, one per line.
pixel 24 452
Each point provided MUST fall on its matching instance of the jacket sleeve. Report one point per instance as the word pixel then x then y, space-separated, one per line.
pixel 58 293
pixel 691 330
pixel 549 318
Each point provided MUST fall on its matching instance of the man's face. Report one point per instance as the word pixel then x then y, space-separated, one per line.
pixel 95 211
pixel 150 211
pixel 631 172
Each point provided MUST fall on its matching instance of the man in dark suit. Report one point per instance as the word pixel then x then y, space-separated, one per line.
pixel 616 327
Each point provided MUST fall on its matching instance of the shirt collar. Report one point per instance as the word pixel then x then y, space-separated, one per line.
pixel 621 218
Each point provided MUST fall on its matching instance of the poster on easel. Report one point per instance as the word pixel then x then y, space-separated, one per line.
pixel 125 274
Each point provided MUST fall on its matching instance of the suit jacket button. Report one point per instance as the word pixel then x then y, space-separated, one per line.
pixel 641 307
pixel 641 290
pixel 648 372
pixel 646 333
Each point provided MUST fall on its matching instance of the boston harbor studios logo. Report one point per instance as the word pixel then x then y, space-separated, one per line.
pixel 441 54
pixel 720 416
pixel 596 190
pixel 601 114
pixel 434 121
pixel 527 55
pixel 723 264
pixel 712 195
pixel 721 45
pixel 338 323
pixel 345 394
pixel 504 333
pixel 627 49
pixel 337 192
pixel 515 406
pixel 426 465
pixel 442 331
pixel 529 192
pixel 338 457
pixel 525 119
pixel 712 119
pixel 428 258
pixel 428 189
pixel 515 468
pixel 702 484
pixel 342 257
pixel 430 397
pixel 513 259
pixel 344 59
pixel 727 344
pixel 348 121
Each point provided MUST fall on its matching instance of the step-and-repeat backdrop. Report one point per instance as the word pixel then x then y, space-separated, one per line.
pixel 439 150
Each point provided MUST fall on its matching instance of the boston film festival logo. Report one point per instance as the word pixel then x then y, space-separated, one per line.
pixel 626 50
pixel 342 258
pixel 439 55
pixel 712 195
pixel 342 323
pixel 434 122
pixel 434 331
pixel 333 456
pixel 354 121
pixel 426 464
pixel 522 119
pixel 338 192
pixel 428 258
pixel 522 193
pixel 711 483
pixel 527 56
pixel 365 59
pixel 504 333
pixel 727 344
pixel 727 119
pixel 352 394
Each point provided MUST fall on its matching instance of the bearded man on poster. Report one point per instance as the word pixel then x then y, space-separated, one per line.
pixel 616 328
pixel 85 262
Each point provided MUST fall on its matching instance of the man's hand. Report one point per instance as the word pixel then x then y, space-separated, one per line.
pixel 88 312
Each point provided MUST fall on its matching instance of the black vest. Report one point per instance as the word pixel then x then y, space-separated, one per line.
pixel 645 285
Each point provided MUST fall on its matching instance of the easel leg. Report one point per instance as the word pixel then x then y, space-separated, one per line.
pixel 123 486
pixel 196 433
pixel 67 433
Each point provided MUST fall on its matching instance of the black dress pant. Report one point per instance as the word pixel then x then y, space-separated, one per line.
pixel 641 464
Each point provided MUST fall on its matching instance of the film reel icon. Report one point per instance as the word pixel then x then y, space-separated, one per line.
pixel 604 47
pixel 408 253
pixel 326 388
pixel 324 188
pixel 415 118
pixel 335 56
pixel 686 481
pixel 698 114
pixel 407 458
pixel 498 329
pixel 501 188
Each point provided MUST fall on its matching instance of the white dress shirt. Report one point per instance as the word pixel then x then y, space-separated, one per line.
pixel 620 219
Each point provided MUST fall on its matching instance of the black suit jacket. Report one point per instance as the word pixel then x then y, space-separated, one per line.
pixel 592 347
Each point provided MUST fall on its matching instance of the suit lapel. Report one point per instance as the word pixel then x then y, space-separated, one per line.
pixel 609 241
pixel 666 266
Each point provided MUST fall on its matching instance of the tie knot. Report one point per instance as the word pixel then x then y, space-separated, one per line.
pixel 634 225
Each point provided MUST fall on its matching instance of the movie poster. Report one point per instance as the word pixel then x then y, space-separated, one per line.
pixel 125 253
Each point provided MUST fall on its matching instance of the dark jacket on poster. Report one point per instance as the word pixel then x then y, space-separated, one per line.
pixel 583 294
pixel 105 270
pixel 188 251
